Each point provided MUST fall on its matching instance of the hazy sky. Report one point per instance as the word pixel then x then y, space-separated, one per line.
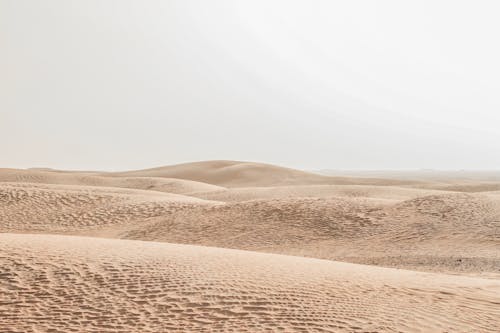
pixel 308 84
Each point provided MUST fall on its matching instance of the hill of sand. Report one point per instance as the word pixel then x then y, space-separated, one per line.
pixel 444 225
pixel 169 185
pixel 229 173
pixel 29 207
pixel 447 232
pixel 64 283
pixel 240 174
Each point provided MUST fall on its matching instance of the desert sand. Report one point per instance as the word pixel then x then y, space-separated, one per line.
pixel 248 247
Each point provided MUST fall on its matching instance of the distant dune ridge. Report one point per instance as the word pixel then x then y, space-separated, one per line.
pixel 161 184
pixel 239 174
pixel 129 273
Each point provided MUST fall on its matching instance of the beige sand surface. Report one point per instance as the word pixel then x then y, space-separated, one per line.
pixel 66 283
pixel 446 233
pixel 29 207
pixel 386 192
pixel 446 225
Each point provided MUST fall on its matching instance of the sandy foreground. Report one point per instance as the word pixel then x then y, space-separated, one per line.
pixel 160 250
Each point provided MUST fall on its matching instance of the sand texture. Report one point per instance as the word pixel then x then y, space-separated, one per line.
pixel 229 246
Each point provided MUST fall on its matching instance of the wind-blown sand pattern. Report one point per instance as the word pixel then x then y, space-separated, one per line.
pixel 436 238
pixel 67 283
pixel 60 208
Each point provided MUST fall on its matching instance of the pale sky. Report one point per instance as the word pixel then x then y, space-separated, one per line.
pixel 115 85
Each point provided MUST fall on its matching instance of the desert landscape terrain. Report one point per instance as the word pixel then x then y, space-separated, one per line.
pixel 249 166
pixel 249 247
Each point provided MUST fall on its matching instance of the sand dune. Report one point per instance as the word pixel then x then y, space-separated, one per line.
pixel 450 233
pixel 169 185
pixel 28 207
pixel 229 173
pixel 241 174
pixel 263 224
pixel 63 283
pixel 214 176
pixel 134 283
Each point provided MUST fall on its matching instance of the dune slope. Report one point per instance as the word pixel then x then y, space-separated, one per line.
pixel 28 207
pixel 447 232
pixel 78 284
